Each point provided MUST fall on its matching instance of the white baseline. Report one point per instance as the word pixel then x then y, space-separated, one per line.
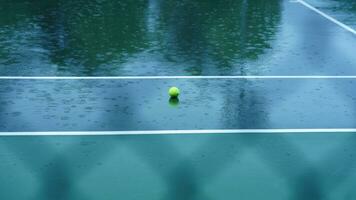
pixel 179 132
pixel 166 77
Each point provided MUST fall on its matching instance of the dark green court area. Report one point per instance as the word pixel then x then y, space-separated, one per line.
pixel 155 37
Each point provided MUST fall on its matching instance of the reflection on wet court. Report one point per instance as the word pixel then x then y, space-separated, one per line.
pixel 112 105
pixel 111 38
pixel 78 39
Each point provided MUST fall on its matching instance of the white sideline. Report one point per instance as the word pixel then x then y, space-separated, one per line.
pixel 166 77
pixel 335 21
pixel 179 132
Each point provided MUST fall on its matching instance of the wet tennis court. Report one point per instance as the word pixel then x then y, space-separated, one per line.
pixel 267 108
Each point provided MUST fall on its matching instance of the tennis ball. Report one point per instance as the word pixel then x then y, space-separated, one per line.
pixel 173 92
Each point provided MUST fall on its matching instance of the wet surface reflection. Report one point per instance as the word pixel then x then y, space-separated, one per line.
pixel 110 105
pixel 133 37
pixel 155 37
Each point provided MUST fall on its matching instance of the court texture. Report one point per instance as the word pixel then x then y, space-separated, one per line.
pixel 267 104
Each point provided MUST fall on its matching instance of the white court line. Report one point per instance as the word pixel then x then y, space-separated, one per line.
pixel 335 21
pixel 178 132
pixel 165 77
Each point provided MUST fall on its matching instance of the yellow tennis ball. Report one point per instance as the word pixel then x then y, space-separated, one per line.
pixel 173 92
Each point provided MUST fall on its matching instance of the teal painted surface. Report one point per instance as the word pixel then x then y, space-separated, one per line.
pixel 195 167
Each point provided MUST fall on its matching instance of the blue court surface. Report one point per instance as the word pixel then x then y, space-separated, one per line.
pixel 267 108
